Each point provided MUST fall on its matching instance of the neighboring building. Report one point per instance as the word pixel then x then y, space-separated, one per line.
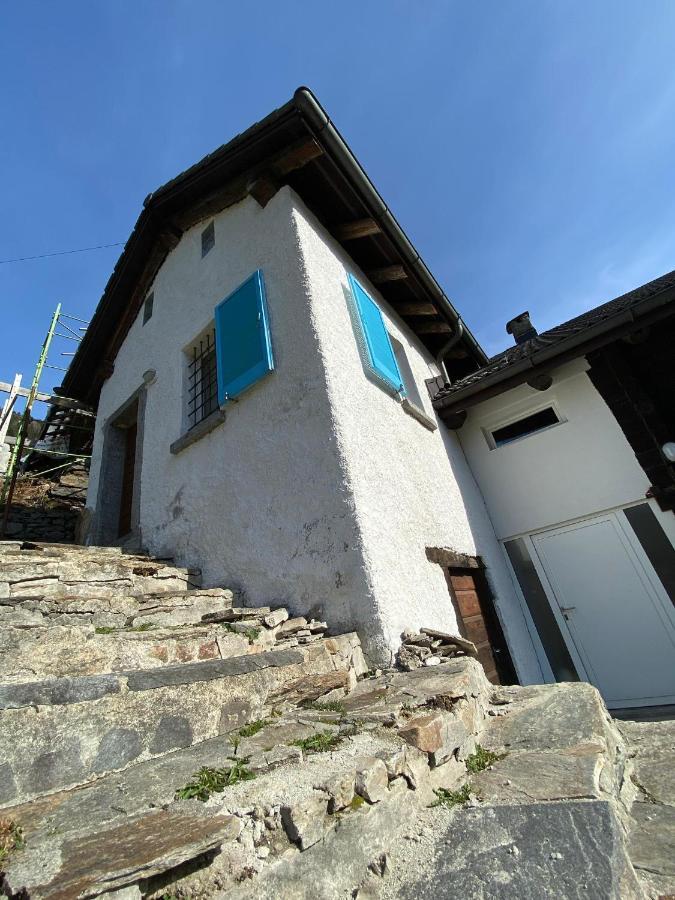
pixel 260 361
pixel 569 435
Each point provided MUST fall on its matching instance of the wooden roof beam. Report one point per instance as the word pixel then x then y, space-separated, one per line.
pixel 416 309
pixel 387 273
pixel 439 327
pixel 359 228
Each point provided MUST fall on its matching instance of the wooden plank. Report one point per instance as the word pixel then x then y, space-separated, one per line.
pixel 262 190
pixel 416 309
pixel 65 402
pixel 469 604
pixel 297 157
pixel 387 273
pixel 359 228
pixel 438 327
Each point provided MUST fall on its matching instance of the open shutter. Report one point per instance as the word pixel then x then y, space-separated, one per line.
pixel 243 345
pixel 380 355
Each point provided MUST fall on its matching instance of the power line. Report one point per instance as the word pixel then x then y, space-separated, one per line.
pixel 60 253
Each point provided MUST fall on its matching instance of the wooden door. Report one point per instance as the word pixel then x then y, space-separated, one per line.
pixel 128 473
pixel 478 622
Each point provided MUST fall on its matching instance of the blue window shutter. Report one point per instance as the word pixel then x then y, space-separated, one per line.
pixel 243 345
pixel 378 346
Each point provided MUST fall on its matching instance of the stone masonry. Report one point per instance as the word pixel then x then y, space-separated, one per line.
pixel 159 740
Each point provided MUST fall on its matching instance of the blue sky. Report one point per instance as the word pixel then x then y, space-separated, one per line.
pixel 526 146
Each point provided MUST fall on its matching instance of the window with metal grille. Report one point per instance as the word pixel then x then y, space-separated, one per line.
pixel 202 379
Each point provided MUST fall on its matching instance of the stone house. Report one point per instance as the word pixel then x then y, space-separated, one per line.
pixel 270 362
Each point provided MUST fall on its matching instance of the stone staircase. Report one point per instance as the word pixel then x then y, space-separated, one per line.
pixel 158 740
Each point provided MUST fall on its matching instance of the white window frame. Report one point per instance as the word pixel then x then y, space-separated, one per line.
pixel 515 413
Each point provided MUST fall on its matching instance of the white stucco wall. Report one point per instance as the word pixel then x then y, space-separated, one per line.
pixel 412 488
pixel 260 503
pixel 581 466
pixel 318 491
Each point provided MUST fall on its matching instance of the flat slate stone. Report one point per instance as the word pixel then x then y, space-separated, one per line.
pixel 146 680
pixel 124 853
pixel 58 691
pixel 652 840
pixel 569 774
pixel 565 851
pixel 554 717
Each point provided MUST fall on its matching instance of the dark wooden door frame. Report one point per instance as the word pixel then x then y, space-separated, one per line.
pixel 476 613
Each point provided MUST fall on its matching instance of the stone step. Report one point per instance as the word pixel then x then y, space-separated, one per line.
pixel 82 574
pixel 139 829
pixel 34 653
pixel 350 812
pixel 127 610
pixel 60 732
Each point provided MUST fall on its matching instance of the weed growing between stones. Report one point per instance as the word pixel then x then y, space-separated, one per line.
pixel 331 706
pixel 357 802
pixel 252 728
pixel 209 781
pixel 250 633
pixel 319 742
pixel 11 839
pixel 481 759
pixel 110 629
pixel 448 798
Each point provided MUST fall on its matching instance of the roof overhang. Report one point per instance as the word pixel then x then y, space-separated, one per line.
pixel 540 364
pixel 296 145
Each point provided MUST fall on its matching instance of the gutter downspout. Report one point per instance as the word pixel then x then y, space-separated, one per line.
pixel 324 130
pixel 447 347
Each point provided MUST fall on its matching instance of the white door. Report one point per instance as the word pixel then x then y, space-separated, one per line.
pixel 615 615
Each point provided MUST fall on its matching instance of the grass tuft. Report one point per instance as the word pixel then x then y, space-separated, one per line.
pixel 144 626
pixel 105 629
pixel 320 742
pixel 448 798
pixel 209 781
pixel 481 759
pixel 250 633
pixel 11 839
pixel 253 728
pixel 357 802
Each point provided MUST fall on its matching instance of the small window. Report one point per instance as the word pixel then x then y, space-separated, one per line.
pixel 147 307
pixel 409 384
pixel 202 397
pixel 538 421
pixel 208 238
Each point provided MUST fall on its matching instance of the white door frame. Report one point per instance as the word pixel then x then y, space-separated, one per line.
pixel 662 605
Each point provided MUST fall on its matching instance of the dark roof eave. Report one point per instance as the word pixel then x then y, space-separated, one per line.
pixel 159 206
pixel 328 135
pixel 544 360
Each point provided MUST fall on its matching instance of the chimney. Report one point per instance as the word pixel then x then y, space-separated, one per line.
pixel 521 328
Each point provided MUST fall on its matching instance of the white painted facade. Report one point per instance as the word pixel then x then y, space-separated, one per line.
pixel 318 490
pixel 582 466
pixel 562 491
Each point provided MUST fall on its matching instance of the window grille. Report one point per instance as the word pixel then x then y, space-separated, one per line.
pixel 202 379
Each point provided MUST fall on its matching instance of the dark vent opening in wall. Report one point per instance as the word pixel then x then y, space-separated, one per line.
pixel 147 307
pixel 208 238
pixel 522 427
